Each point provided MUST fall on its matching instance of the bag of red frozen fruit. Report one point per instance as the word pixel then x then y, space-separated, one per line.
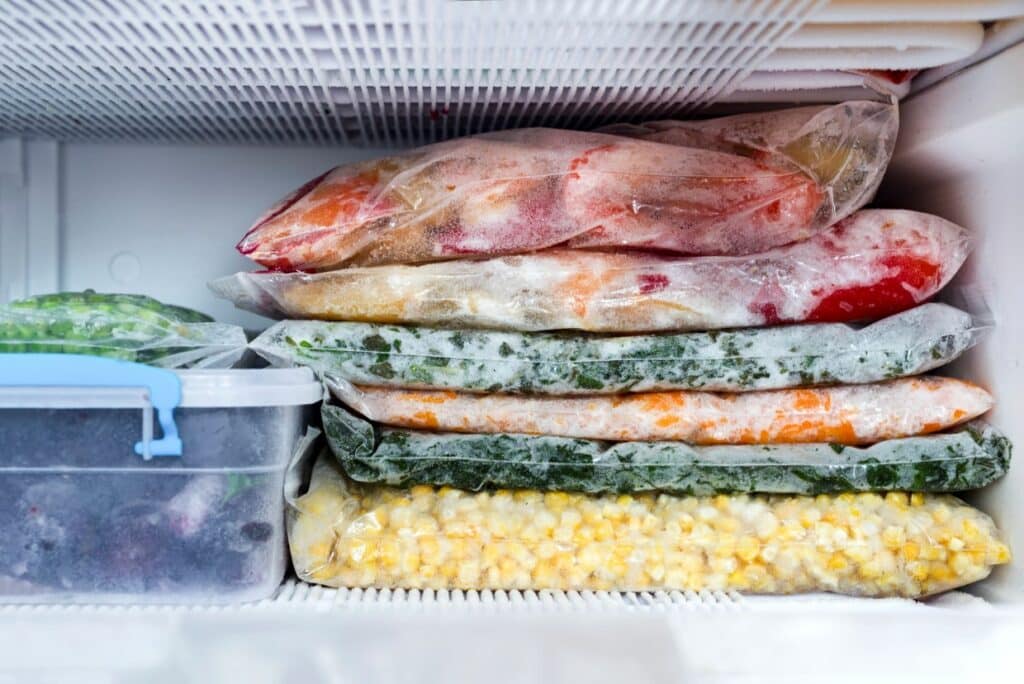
pixel 732 186
pixel 873 264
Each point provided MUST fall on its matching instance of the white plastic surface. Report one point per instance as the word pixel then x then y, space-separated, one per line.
pixel 399 72
pixel 312 635
pixel 249 387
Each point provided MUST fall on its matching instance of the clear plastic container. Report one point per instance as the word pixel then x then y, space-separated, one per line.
pixel 85 518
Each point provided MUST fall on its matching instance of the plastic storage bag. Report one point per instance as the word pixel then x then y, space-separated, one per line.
pixel 121 326
pixel 352 535
pixel 966 459
pixel 908 343
pixel 748 185
pixel 846 414
pixel 871 265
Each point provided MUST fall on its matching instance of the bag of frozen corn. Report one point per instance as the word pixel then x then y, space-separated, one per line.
pixel 745 185
pixel 844 414
pixel 909 343
pixel 868 266
pixel 969 458
pixel 121 326
pixel 346 534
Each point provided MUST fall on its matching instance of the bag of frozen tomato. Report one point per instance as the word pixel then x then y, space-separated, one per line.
pixel 873 264
pixel 736 185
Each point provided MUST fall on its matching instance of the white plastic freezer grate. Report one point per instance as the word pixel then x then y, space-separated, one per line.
pixel 399 72
pixel 298 596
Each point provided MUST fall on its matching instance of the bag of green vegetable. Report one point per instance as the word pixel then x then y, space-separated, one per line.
pixel 907 343
pixel 968 458
pixel 121 326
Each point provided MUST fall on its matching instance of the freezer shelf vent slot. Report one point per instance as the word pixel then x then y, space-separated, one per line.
pixel 401 72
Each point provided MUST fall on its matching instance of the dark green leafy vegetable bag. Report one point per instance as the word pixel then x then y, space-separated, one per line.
pixel 121 326
pixel 970 457
pixel 744 360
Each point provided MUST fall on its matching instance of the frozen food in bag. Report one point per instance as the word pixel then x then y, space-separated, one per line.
pixel 346 534
pixel 969 458
pixel 870 265
pixel 122 326
pixel 833 144
pixel 845 414
pixel 744 188
pixel 912 342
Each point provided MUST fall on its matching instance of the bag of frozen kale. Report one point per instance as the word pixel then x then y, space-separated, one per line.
pixel 121 326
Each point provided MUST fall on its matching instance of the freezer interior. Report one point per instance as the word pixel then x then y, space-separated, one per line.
pixel 150 198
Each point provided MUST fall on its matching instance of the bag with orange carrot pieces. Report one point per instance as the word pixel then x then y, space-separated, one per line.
pixel 845 414
pixel 870 265
pixel 736 185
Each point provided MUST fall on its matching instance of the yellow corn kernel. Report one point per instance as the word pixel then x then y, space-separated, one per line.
pixel 389 552
pixel 748 548
pixel 469 574
pixel 604 531
pixel 837 562
pixel 897 499
pixel 723 524
pixel 894 537
pixel 917 499
pixel 556 501
pixel 872 569
pixel 421 491
pixel 528 496
pixel 810 517
pixel 725 546
pixel 430 550
pixel 612 512
pixel 738 579
pixel 1002 554
pixel 941 573
pixel 656 571
pixel 857 543
pixel 918 570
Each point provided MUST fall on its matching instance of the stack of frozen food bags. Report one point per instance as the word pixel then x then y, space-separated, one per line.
pixel 626 360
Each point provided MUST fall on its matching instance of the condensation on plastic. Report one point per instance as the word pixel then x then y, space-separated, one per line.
pixel 738 185
pixel 967 459
pixel 912 342
pixel 846 414
pixel 870 265
pixel 352 535
pixel 127 327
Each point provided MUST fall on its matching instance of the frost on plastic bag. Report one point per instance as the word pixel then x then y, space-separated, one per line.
pixel 845 414
pixel 873 264
pixel 121 326
pixel 346 534
pixel 918 340
pixel 843 148
pixel 970 458
pixel 744 185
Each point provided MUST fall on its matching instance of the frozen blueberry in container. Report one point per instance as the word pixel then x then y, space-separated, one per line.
pixel 128 483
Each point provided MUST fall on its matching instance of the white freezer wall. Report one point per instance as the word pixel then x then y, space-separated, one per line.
pixel 163 220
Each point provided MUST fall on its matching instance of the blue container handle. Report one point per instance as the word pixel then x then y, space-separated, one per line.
pixel 80 370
